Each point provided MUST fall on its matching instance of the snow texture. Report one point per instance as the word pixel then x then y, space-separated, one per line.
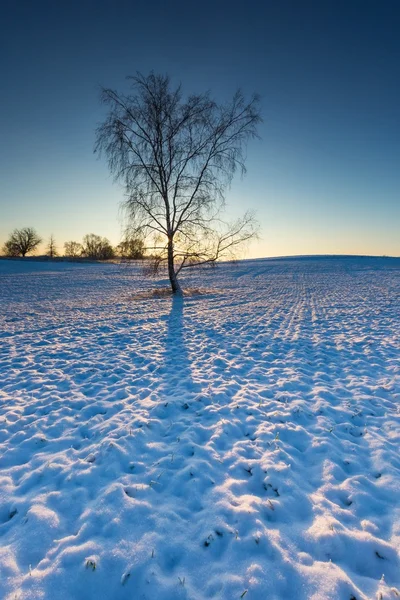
pixel 238 443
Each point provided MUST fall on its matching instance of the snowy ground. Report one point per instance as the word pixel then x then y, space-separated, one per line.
pixel 243 443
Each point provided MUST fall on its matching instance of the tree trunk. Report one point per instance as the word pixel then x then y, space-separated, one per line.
pixel 176 288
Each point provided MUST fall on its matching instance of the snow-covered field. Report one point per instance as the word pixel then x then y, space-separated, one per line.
pixel 241 443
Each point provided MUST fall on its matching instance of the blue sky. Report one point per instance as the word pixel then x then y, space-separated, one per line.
pixel 324 178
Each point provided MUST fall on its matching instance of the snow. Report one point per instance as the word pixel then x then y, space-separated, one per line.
pixel 240 443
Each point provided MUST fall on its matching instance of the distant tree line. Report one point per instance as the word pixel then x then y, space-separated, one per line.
pixel 23 241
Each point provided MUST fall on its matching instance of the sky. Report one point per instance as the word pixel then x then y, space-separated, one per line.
pixel 323 179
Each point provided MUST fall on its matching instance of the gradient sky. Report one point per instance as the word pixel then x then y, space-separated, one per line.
pixel 325 177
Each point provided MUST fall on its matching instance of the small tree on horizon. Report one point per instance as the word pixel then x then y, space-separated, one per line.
pixel 96 247
pixel 21 242
pixel 72 249
pixel 176 158
pixel 51 250
pixel 131 247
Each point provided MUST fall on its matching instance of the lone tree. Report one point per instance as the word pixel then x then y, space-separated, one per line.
pixel 21 242
pixel 176 157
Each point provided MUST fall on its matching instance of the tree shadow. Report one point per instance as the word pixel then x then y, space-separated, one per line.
pixel 178 384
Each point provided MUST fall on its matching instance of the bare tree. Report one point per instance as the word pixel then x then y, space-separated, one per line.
pixel 72 249
pixel 176 158
pixel 21 242
pixel 51 250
